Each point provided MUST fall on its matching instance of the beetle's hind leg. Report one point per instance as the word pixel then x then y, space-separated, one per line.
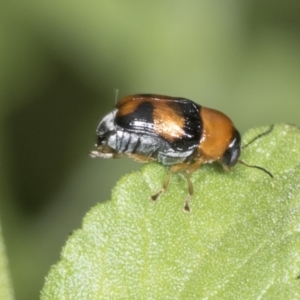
pixel 192 168
pixel 164 187
pixel 174 169
pixel 189 169
pixel 186 206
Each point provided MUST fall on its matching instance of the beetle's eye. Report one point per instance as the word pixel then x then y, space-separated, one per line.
pixel 232 154
pixel 231 157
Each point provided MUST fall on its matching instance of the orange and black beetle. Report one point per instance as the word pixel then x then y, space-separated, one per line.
pixel 173 131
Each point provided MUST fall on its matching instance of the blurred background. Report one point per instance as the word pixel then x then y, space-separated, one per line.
pixel 60 64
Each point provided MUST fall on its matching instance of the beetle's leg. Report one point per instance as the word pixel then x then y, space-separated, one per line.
pixel 164 187
pixel 186 206
pixel 192 168
pixel 176 168
pixel 195 166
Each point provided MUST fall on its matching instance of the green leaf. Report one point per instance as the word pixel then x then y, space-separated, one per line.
pixel 240 241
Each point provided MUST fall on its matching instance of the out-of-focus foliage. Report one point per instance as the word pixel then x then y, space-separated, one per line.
pixel 5 284
pixel 60 63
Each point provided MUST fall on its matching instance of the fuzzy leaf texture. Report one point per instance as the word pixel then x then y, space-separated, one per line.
pixel 240 241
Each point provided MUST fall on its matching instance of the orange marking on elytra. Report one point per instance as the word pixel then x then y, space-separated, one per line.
pixel 168 120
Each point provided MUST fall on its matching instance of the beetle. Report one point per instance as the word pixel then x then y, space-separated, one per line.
pixel 173 131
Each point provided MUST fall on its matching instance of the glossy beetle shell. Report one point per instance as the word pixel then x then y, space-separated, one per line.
pixel 169 130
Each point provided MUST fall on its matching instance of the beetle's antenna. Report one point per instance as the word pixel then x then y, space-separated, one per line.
pixel 256 167
pixel 270 129
pixel 116 90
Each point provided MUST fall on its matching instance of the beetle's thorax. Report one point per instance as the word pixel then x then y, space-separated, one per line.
pixel 218 135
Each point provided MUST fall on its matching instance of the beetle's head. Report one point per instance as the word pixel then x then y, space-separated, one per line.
pixel 231 156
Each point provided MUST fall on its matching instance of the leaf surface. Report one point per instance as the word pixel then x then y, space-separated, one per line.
pixel 240 241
